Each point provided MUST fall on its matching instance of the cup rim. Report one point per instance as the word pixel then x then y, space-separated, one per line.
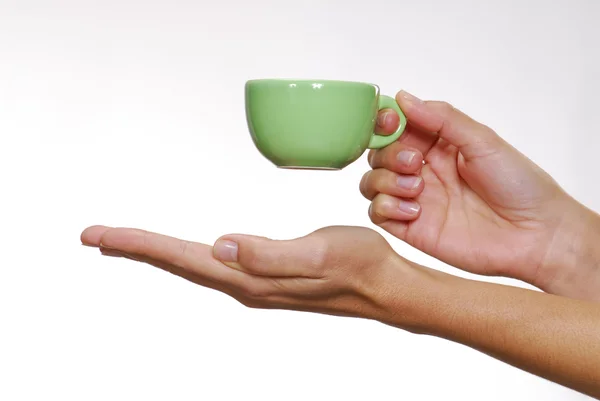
pixel 307 80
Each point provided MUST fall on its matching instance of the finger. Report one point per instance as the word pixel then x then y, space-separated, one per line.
pixel 385 207
pixel 398 158
pixel 413 138
pixel 265 257
pixel 387 182
pixel 184 256
pixel 472 138
pixel 387 122
pixel 249 290
pixel 91 235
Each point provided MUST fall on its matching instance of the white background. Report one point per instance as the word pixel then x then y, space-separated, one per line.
pixel 131 113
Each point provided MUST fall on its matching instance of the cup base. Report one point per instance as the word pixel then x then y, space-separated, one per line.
pixel 308 168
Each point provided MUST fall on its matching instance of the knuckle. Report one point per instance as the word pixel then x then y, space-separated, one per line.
pixel 376 211
pixel 442 107
pixel 144 244
pixel 446 107
pixel 390 161
pixel 370 213
pixel 373 216
pixel 253 261
pixel 364 184
pixel 183 247
pixel 184 260
pixel 378 182
pixel 380 156
pixel 489 132
pixel 320 255
pixel 371 156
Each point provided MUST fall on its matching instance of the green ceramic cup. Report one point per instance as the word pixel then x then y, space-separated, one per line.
pixel 316 124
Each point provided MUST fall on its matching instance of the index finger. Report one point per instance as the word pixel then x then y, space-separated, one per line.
pixel 191 257
pixel 388 122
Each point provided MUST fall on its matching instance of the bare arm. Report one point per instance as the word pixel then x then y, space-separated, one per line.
pixel 352 271
pixel 550 336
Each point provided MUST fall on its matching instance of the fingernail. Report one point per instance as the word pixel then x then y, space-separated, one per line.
pixel 110 252
pixel 226 251
pixel 382 118
pixel 118 254
pixel 408 181
pixel 409 207
pixel 409 97
pixel 406 157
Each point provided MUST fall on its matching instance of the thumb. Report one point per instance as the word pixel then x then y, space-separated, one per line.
pixel 472 138
pixel 261 256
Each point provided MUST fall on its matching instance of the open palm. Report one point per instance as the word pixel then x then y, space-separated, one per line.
pixel 454 189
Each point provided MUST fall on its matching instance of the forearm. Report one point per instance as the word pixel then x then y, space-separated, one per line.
pixel 553 337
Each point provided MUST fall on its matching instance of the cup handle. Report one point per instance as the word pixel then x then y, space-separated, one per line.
pixel 380 141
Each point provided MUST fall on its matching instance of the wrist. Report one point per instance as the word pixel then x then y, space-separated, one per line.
pixel 572 266
pixel 412 297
